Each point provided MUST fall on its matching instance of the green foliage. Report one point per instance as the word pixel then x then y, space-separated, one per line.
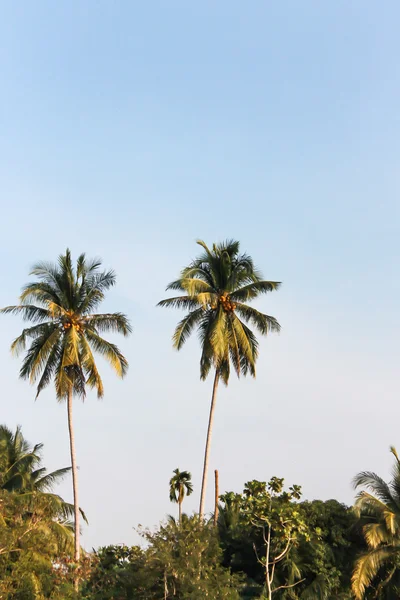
pixel 217 284
pixel 180 562
pixel 322 540
pixel 274 525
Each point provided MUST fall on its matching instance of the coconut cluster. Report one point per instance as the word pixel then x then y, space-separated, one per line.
pixel 68 324
pixel 227 303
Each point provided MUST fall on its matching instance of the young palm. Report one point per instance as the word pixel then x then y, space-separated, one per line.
pixel 180 485
pixel 64 335
pixel 217 285
pixel 378 506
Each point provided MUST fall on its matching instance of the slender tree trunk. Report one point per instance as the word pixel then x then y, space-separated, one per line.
pixel 165 585
pixel 180 512
pixel 208 444
pixel 267 572
pixel 74 475
pixel 216 498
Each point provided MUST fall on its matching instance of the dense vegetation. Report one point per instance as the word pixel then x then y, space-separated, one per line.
pixel 262 542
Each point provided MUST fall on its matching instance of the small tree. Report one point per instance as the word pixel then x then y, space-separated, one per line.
pixel 273 510
pixel 180 485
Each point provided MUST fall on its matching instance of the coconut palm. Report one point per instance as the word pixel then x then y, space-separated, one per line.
pixel 20 464
pixel 22 472
pixel 217 285
pixel 180 485
pixel 378 506
pixel 35 523
pixel 64 335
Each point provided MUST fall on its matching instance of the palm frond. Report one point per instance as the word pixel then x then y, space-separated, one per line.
pixel 39 352
pixel 93 290
pixel 376 534
pixel 185 327
pixel 40 292
pixel 217 335
pixel 192 286
pixel 110 323
pixel 367 567
pixel 110 351
pixel 248 346
pixel 28 312
pixel 89 366
pixel 199 271
pixel 19 344
pixel 207 354
pixel 47 481
pixel 185 302
pixel 375 484
pixel 264 323
pixel 253 290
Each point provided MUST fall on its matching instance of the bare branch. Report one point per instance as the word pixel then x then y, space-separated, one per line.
pixel 256 553
pixel 282 555
pixel 286 587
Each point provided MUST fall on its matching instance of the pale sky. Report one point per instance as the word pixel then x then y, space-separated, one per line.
pixel 130 129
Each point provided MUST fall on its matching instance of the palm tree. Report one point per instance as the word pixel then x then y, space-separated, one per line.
pixel 180 485
pixel 21 471
pixel 378 506
pixel 65 333
pixel 217 286
pixel 35 526
pixel 20 464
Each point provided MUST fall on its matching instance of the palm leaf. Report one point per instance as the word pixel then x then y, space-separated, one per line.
pixel 110 351
pixel 185 327
pixel 264 323
pixel 110 323
pixel 367 567
pixel 252 290
pixel 28 312
pixel 185 302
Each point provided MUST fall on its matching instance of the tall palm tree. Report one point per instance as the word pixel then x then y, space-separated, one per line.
pixel 64 335
pixel 378 506
pixel 180 485
pixel 217 286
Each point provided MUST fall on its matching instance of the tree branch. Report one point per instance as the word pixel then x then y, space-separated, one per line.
pixel 282 555
pixel 286 587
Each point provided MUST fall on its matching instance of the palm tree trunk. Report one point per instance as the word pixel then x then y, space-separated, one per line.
pixel 74 475
pixel 216 498
pixel 208 444
pixel 180 512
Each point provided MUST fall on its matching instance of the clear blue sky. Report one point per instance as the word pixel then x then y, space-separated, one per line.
pixel 128 130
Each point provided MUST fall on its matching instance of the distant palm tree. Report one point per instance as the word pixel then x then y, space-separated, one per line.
pixel 180 485
pixel 378 506
pixel 217 286
pixel 65 334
